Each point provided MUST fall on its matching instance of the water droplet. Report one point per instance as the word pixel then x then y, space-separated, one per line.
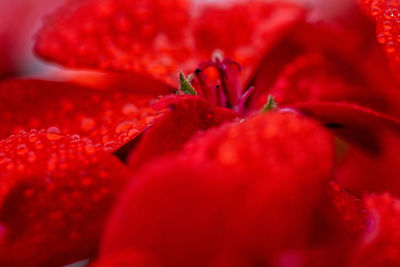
pixel 33 137
pixel 109 146
pixel 31 156
pixel 133 133
pixel 10 165
pixel 129 109
pixel 3 158
pixel 390 47
pixel 39 144
pixel 22 149
pixel 53 133
pixel 76 137
pixel 381 38
pixel 124 126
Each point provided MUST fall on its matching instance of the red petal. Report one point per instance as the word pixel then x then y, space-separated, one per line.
pixel 316 77
pixel 340 221
pixel 358 125
pixel 126 258
pixel 197 209
pixel 276 153
pixel 238 146
pixel 373 132
pixel 159 38
pixel 55 195
pixel 110 118
pixel 380 245
pixel 188 115
pixel 174 210
pixel 387 16
pixel 324 62
pixel 350 211
pixel 364 172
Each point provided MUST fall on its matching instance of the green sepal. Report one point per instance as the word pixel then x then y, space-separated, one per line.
pixel 270 105
pixel 185 85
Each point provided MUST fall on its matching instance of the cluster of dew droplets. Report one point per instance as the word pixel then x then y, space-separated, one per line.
pixel 21 150
pixel 387 16
pixel 64 169
pixel 116 34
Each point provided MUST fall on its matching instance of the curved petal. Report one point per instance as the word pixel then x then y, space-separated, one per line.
pixel 358 125
pixel 56 192
pixel 159 38
pixel 326 62
pixel 197 208
pixel 110 118
pixel 187 116
pixel 372 163
pixel 238 146
pixel 273 153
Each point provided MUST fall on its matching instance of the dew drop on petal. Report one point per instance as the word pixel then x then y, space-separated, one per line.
pixel 31 156
pixel 3 158
pixel 124 126
pixel 22 149
pixel 129 109
pixel 133 133
pixel 53 133
pixel 39 145
pixel 76 137
pixel 33 137
pixel 110 146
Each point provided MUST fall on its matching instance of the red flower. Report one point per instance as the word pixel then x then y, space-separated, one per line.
pixel 213 176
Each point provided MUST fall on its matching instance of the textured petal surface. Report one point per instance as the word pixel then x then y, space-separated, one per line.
pixel 358 125
pixel 238 146
pixel 380 245
pixel 159 38
pixel 363 172
pixel 243 191
pixel 387 16
pixel 110 118
pixel 187 116
pixel 371 163
pixel 326 62
pixel 275 150
pixel 56 192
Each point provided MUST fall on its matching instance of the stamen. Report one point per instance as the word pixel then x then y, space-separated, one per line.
pixel 224 87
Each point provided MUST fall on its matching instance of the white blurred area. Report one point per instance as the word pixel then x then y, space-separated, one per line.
pixel 19 21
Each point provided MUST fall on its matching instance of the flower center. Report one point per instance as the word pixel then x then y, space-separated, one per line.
pixel 218 81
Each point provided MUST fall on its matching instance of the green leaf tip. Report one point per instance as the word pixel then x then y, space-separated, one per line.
pixel 185 85
pixel 270 105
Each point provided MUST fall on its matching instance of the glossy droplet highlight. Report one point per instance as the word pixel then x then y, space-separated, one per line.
pixel 53 133
pixel 33 137
pixel 31 156
pixel 22 149
pixel 129 109
pixel 124 126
